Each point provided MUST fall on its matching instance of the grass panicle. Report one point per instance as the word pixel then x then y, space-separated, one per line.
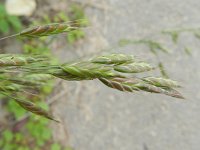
pixel 113 70
pixel 47 30
pixel 50 29
pixel 110 69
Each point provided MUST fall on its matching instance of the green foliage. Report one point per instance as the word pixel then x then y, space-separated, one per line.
pixel 38 47
pixel 34 132
pixel 8 135
pixel 8 22
pixel 75 35
pixel 35 135
pixel 55 146
pixel 15 109
pixel 77 13
pixel 39 131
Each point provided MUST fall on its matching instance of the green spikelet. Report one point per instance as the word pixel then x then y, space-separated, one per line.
pixel 60 73
pixel 12 61
pixel 64 72
pixel 19 60
pixel 135 67
pixel 113 59
pixel 88 71
pixel 161 82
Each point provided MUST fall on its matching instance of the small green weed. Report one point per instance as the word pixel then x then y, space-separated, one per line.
pixel 8 22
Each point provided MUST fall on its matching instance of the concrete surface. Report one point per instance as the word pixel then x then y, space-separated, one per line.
pixel 99 118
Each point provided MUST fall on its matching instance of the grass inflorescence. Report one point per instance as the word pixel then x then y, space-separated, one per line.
pixel 50 29
pixel 117 71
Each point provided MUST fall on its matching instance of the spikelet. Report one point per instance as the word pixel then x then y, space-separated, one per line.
pixel 50 29
pixel 88 71
pixel 29 106
pixel 173 93
pixel 19 60
pixel 135 67
pixel 118 84
pixel 161 82
pixel 113 59
pixel 60 73
pixel 12 61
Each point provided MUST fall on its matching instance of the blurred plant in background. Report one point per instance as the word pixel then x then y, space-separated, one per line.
pixel 22 131
pixel 8 22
